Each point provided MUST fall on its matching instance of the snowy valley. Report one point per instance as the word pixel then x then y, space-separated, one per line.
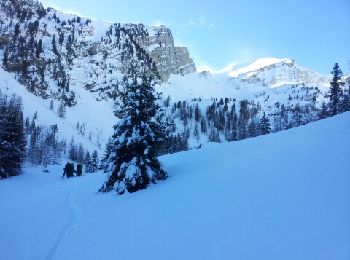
pixel 215 204
pixel 72 62
pixel 255 159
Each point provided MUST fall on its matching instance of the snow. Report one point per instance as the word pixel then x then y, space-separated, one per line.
pixel 258 64
pixel 244 83
pixel 193 85
pixel 281 196
pixel 97 119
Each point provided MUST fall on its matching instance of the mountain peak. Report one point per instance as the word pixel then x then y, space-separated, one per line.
pixel 260 64
pixel 275 72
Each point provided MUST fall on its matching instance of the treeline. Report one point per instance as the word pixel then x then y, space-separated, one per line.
pixel 25 141
pixel 44 147
pixel 226 119
pixel 77 153
pixel 12 136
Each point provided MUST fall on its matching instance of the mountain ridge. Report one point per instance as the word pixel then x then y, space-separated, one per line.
pixel 53 52
pixel 70 60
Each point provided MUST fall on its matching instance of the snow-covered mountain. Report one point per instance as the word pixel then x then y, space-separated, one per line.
pixel 245 81
pixel 219 202
pixel 88 122
pixel 80 63
pixel 54 53
pixel 272 72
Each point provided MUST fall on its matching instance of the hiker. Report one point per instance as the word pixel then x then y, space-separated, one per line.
pixel 68 170
pixel 79 170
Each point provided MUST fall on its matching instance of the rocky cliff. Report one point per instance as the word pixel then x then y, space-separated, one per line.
pixel 169 59
pixel 53 53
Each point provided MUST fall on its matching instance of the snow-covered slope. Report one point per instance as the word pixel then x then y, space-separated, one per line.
pixel 95 118
pixel 281 196
pixel 52 52
pixel 256 65
pixel 80 61
pixel 245 82
pixel 271 72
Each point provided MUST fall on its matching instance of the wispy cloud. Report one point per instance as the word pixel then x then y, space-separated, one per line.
pixel 48 3
pixel 225 70
pixel 159 23
pixel 201 21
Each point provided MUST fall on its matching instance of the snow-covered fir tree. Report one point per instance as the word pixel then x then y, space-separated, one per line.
pixel 336 90
pixel 264 127
pixel 87 162
pixel 94 161
pixel 138 134
pixel 106 157
pixel 12 136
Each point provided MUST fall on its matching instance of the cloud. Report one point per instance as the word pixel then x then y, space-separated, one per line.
pixel 201 22
pixel 48 3
pixel 225 70
pixel 159 23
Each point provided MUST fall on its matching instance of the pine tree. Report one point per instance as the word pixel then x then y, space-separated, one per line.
pixel 12 136
pixel 50 150
pixel 34 154
pixel 136 137
pixel 346 96
pixel 61 110
pixel 323 113
pixel 87 162
pixel 73 151
pixel 106 162
pixel 252 129
pixel 80 154
pixel 264 127
pixel 94 161
pixel 197 113
pixel 51 104
pixel 335 90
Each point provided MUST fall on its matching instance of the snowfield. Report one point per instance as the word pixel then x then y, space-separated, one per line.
pixel 98 119
pixel 281 196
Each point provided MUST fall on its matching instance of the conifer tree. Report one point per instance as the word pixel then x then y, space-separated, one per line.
pixel 346 95
pixel 252 129
pixel 87 162
pixel 61 110
pixel 137 135
pixel 80 154
pixel 106 166
pixel 73 151
pixel 323 111
pixel 12 136
pixel 264 127
pixel 94 161
pixel 335 90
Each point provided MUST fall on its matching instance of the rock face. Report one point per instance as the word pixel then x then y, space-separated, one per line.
pixel 168 58
pixel 53 53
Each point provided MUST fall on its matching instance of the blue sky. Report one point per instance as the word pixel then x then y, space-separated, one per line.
pixel 316 33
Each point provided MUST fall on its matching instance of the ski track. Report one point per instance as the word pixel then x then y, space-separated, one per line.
pixel 72 222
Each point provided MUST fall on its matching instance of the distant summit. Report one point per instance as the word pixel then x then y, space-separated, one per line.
pixel 273 72
pixel 259 64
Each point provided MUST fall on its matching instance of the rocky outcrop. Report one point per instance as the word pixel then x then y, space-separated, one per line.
pixel 53 53
pixel 168 58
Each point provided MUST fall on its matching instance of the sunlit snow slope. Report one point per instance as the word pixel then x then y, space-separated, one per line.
pixel 281 196
pixel 96 117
